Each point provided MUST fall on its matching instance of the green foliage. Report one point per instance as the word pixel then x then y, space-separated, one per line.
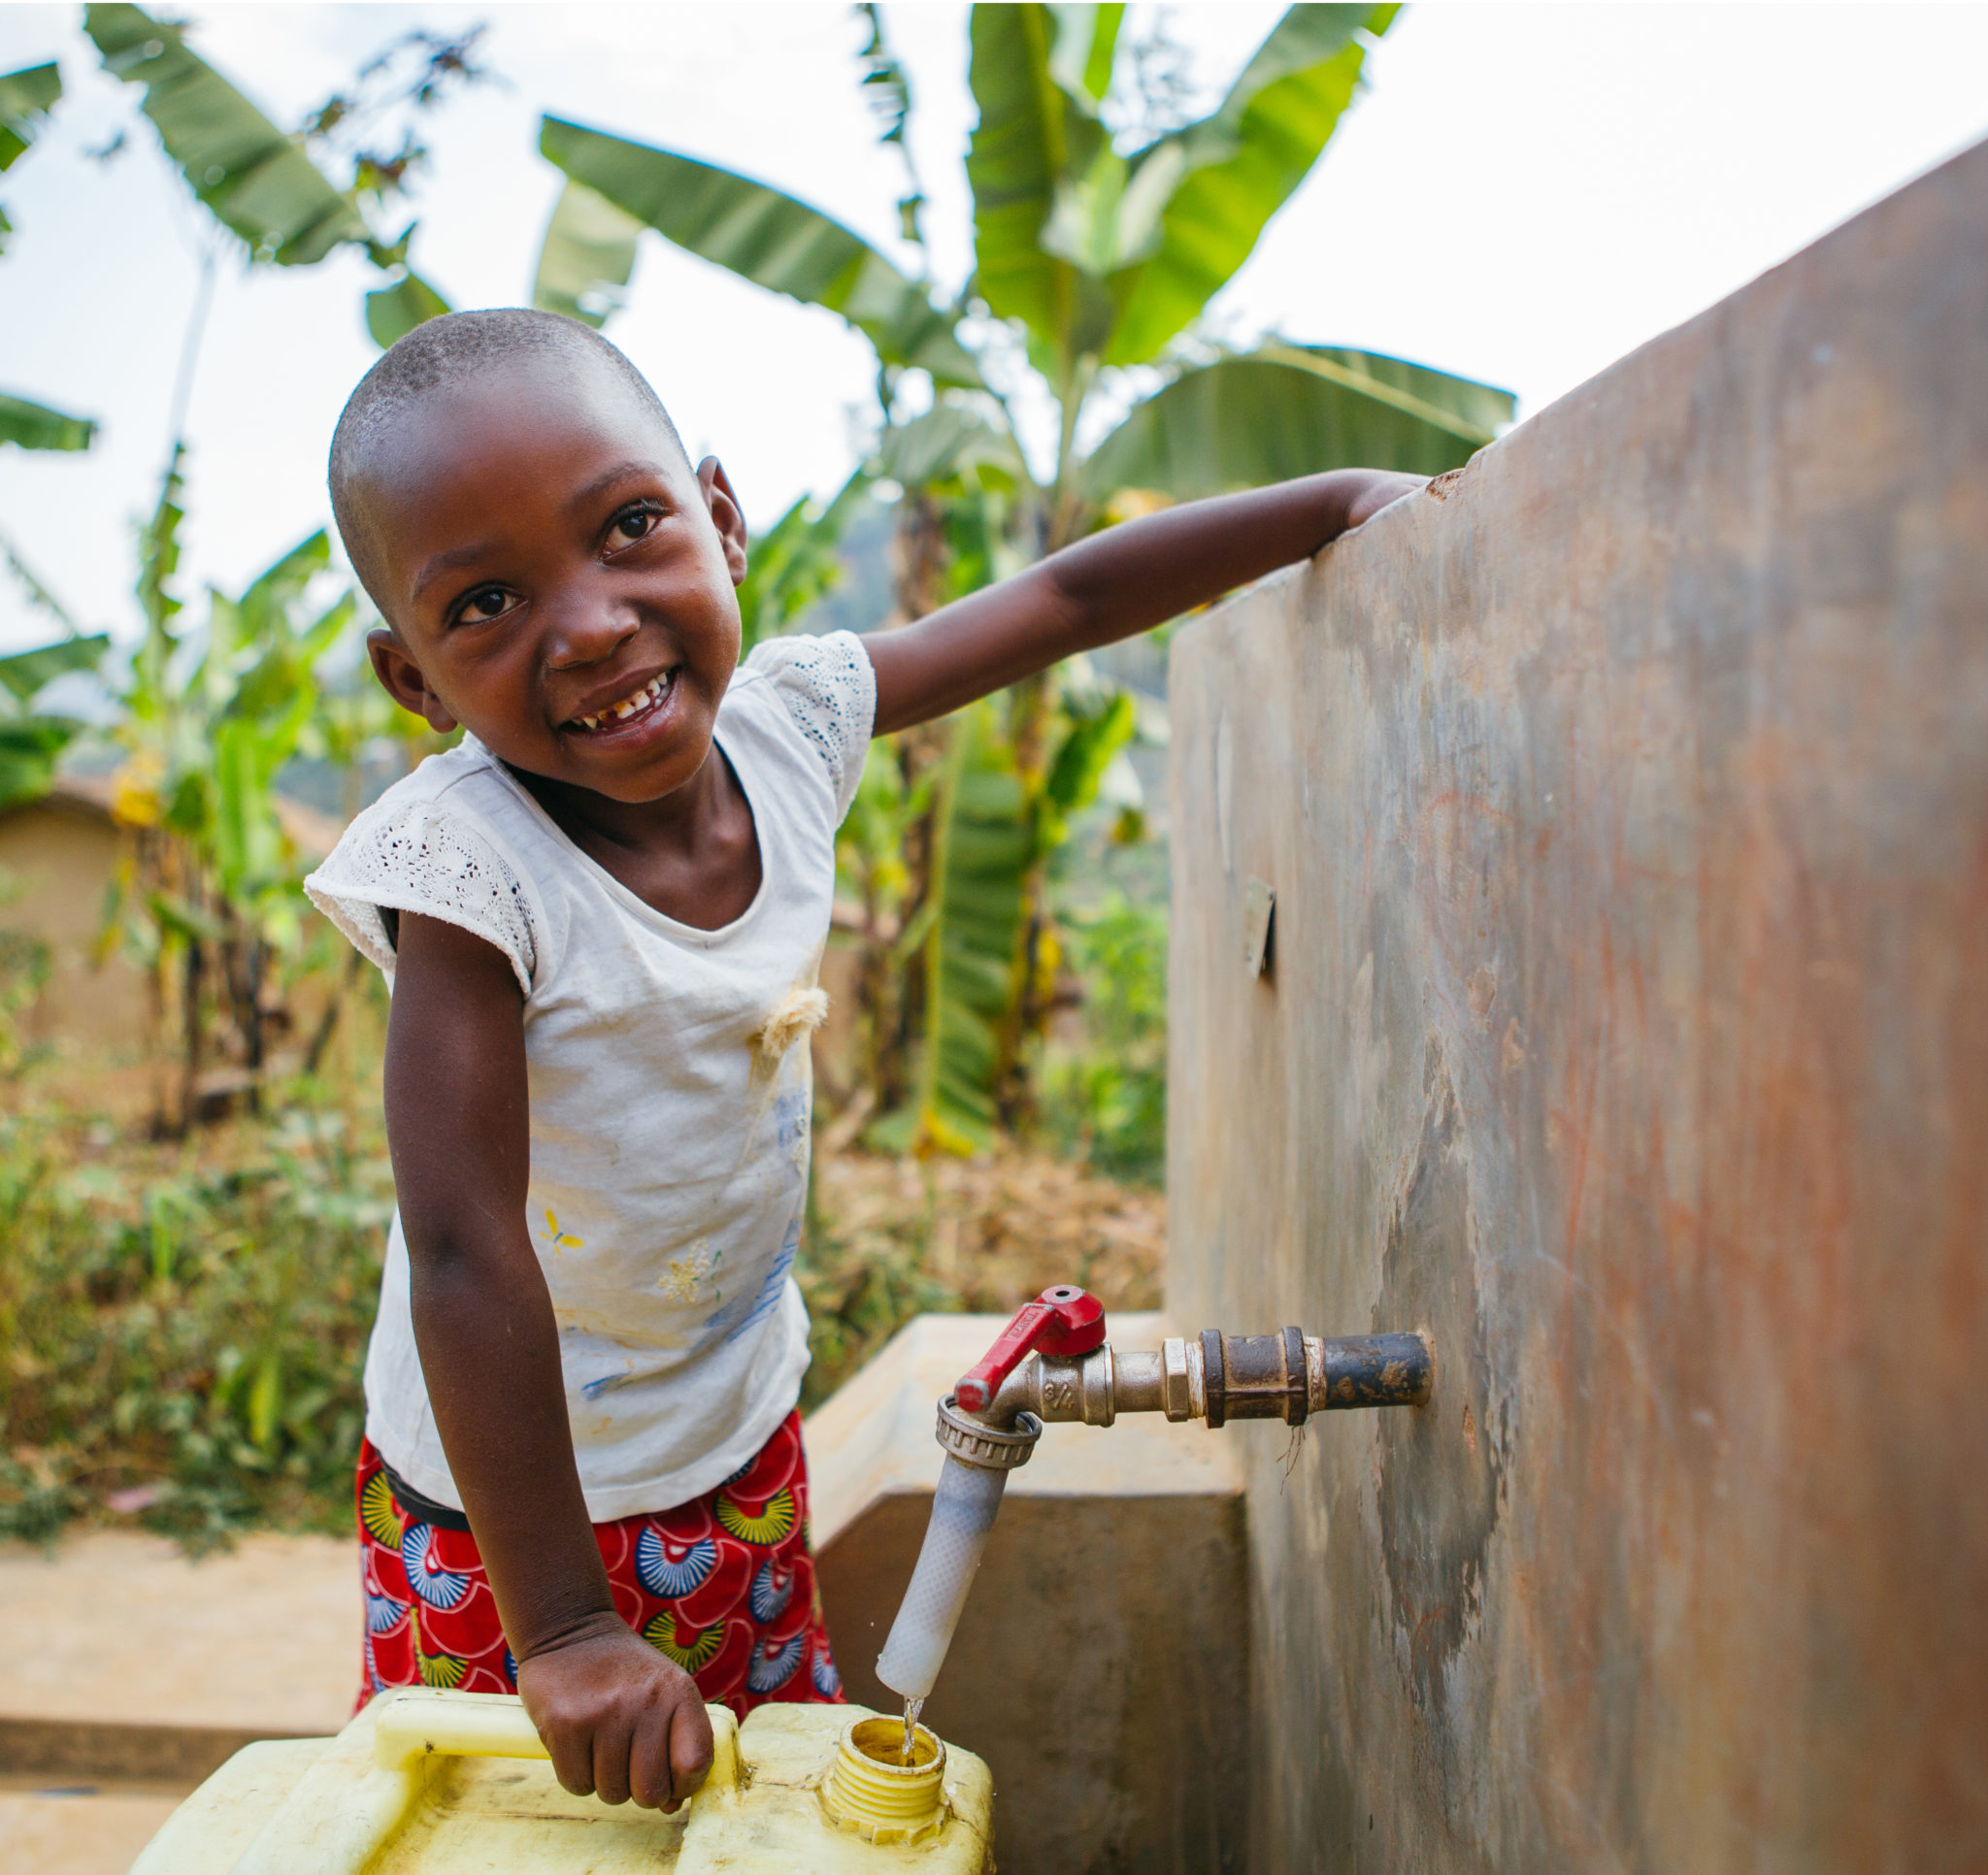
pixel 768 238
pixel 30 742
pixel 1284 410
pixel 393 311
pixel 35 426
pixel 210 903
pixel 1106 1097
pixel 254 179
pixel 197 1330
pixel 794 563
pixel 209 737
pixel 1220 180
pixel 263 184
pixel 587 258
pixel 26 97
pixel 963 935
pixel 1109 255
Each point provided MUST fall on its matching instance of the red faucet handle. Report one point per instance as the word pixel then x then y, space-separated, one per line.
pixel 1063 1320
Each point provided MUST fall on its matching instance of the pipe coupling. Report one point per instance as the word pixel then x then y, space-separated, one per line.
pixel 973 1441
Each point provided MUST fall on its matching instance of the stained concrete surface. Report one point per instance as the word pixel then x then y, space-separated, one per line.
pixel 128 1672
pixel 80 1831
pixel 1625 800
pixel 114 1628
pixel 1100 1665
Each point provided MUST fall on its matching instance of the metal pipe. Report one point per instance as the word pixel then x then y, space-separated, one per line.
pixel 1218 1377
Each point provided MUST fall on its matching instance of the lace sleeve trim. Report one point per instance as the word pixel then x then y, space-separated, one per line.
pixel 435 864
pixel 829 689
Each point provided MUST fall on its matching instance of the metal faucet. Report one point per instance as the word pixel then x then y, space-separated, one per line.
pixel 1052 1362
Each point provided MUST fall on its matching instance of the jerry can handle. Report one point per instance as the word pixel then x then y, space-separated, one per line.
pixel 417 1722
pixel 329 1826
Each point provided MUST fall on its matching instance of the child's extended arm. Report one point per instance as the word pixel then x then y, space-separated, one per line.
pixel 617 1716
pixel 1125 580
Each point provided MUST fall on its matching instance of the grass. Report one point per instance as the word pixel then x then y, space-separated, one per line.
pixel 185 1328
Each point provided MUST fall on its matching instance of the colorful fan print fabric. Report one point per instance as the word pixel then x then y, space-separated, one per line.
pixel 723 1585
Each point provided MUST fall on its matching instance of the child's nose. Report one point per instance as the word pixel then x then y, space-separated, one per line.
pixel 588 629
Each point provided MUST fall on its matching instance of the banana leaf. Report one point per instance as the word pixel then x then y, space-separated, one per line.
pixel 1424 390
pixel 25 675
pixel 1095 736
pixel 1033 71
pixel 393 311
pixel 159 559
pixel 1266 418
pixel 26 97
pixel 257 180
pixel 981 853
pixel 29 746
pixel 766 238
pixel 35 426
pixel 38 595
pixel 587 257
pixel 795 562
pixel 952 441
pixel 1226 174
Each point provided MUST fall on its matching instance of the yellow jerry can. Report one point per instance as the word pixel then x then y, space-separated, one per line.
pixel 433 1783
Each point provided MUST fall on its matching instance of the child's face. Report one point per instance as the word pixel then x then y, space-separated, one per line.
pixel 547 558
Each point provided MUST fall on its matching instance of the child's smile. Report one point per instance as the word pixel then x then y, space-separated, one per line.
pixel 629 711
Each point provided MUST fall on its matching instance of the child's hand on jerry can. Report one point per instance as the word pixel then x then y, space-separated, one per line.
pixel 619 1719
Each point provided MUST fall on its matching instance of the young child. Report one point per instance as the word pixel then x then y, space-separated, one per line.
pixel 601 917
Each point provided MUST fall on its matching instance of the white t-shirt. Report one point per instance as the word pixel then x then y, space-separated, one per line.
pixel 670 1086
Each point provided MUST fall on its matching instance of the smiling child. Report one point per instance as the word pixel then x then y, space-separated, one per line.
pixel 602 916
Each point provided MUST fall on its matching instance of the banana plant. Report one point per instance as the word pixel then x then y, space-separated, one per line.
pixel 1093 254
pixel 31 740
pixel 26 97
pixel 210 901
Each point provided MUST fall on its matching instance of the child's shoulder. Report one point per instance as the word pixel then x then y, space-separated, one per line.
pixel 438 841
pixel 822 692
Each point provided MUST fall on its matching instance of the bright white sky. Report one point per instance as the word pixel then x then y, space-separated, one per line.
pixel 1526 194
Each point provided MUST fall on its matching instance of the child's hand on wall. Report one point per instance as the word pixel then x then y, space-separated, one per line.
pixel 619 1719
pixel 1384 487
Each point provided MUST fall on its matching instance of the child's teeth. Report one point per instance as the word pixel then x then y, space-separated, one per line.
pixel 650 692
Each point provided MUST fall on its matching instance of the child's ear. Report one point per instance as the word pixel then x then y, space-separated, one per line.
pixel 401 678
pixel 726 515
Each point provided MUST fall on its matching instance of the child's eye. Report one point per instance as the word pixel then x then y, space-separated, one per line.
pixel 482 605
pixel 631 524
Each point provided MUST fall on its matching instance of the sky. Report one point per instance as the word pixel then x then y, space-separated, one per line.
pixel 1524 194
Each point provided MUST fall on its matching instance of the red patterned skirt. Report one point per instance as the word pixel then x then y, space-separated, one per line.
pixel 723 1585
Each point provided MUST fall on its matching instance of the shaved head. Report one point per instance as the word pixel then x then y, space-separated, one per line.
pixel 456 352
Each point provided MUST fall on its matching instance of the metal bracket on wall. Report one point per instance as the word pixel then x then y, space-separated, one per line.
pixel 1259 909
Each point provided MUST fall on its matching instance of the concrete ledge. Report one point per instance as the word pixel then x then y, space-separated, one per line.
pixel 121 1661
pixel 1101 1666
pixel 88 1751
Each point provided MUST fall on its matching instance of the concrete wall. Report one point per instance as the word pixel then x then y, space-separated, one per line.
pixel 1626 803
pixel 1100 1665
